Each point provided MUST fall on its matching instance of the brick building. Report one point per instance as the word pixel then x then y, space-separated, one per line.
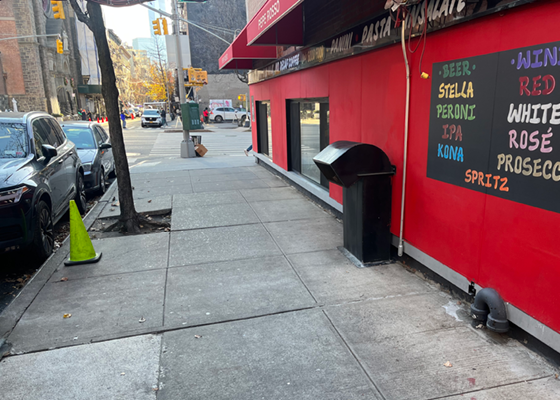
pixel 35 74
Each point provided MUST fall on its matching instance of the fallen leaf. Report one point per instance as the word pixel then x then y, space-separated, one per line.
pixel 66 315
pixel 479 326
pixel 448 364
pixel 149 218
pixel 112 209
pixel 155 389
pixel 149 201
pixel 142 320
pixel 556 376
pixel 197 336
pixel 63 279
pixel 141 226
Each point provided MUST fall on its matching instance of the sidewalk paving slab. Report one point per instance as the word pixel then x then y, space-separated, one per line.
pixel 208 293
pixel 125 369
pixel 209 216
pixel 332 278
pixel 155 204
pixel 287 210
pixel 121 255
pixel 220 244
pixel 241 176
pixel 287 356
pixel 284 193
pixel 149 192
pixel 207 198
pixel 541 389
pixel 229 185
pixel 307 235
pixel 195 173
pixel 161 182
pixel 275 182
pixel 404 343
pixel 103 305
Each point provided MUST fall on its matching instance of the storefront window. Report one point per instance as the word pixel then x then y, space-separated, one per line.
pixel 308 123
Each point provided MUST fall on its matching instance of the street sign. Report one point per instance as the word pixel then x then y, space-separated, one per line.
pixel 191 116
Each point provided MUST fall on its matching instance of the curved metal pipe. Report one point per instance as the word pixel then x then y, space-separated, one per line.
pixel 489 308
pixel 405 150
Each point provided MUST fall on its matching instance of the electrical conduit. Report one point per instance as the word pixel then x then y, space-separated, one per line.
pixel 405 151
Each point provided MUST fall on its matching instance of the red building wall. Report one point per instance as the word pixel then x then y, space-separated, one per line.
pixel 494 242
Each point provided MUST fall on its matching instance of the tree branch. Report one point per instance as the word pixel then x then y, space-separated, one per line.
pixel 82 16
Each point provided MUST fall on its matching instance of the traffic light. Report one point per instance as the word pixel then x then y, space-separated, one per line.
pixel 164 23
pixel 157 29
pixel 59 46
pixel 58 10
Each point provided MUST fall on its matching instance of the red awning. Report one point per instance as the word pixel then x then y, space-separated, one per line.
pixel 240 56
pixel 278 23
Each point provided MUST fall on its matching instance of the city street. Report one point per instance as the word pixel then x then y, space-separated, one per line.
pixel 247 296
pixel 146 148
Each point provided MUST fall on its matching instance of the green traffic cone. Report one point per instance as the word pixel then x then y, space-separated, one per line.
pixel 81 248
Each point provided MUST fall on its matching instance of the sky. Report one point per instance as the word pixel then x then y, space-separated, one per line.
pixel 129 22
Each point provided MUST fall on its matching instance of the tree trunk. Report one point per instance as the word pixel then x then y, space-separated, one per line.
pixel 129 216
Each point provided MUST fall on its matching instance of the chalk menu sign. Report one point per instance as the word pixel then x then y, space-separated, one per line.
pixel 494 125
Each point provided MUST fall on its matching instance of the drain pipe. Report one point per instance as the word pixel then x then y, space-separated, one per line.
pixel 405 151
pixel 489 308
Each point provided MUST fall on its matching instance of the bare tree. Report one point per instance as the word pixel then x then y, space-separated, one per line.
pixel 157 54
pixel 92 17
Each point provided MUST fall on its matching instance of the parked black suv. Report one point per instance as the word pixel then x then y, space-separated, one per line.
pixel 40 172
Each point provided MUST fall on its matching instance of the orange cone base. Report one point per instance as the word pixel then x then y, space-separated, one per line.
pixel 93 260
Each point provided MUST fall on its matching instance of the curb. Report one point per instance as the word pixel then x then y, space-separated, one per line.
pixel 13 313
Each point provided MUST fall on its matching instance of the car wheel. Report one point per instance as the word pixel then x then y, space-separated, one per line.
pixel 218 119
pixel 113 173
pixel 43 237
pixel 144 126
pixel 102 183
pixel 80 198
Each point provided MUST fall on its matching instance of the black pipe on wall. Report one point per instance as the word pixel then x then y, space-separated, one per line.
pixel 489 308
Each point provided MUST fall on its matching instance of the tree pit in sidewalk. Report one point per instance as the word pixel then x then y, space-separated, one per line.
pixel 151 222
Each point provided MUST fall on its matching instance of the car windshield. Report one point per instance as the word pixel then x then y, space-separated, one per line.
pixel 151 113
pixel 81 136
pixel 13 141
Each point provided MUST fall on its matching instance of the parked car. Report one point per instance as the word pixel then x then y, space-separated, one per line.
pixel 40 172
pixel 221 114
pixel 94 149
pixel 242 114
pixel 151 118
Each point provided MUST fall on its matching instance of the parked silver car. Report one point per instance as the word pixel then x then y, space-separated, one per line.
pixel 94 149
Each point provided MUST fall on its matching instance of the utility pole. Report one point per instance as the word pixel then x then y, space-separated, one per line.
pixel 187 145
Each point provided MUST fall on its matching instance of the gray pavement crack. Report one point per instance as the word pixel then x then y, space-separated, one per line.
pixel 447 396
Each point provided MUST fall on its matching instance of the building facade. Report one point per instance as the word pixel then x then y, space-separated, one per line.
pixel 225 18
pixel 36 76
pixel 473 125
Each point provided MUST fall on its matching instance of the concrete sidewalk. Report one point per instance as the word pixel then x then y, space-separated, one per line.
pixel 247 297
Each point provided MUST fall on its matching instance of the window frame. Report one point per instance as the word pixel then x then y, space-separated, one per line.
pixel 293 109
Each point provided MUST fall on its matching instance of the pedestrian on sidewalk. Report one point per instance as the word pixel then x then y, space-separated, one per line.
pixel 163 117
pixel 206 114
pixel 84 115
pixel 247 150
pixel 89 115
pixel 123 119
